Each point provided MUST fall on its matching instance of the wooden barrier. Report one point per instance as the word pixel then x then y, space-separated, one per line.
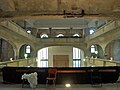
pixel 64 75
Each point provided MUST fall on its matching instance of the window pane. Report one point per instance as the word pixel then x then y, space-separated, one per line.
pixel 28 31
pixel 44 36
pixel 76 57
pixel 44 53
pixel 91 31
pixel 44 64
pixel 28 49
pixel 76 35
pixel 43 57
pixel 92 50
pixel 76 63
pixel 92 46
pixel 76 53
pixel 60 35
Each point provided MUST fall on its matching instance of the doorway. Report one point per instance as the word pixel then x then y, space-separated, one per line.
pixel 60 60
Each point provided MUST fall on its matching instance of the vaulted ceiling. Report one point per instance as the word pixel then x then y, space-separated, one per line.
pixel 98 8
pixel 37 11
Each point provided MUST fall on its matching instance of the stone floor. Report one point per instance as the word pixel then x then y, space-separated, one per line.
pixel 110 86
pixel 61 87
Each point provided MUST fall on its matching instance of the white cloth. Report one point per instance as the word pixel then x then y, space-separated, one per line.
pixel 32 79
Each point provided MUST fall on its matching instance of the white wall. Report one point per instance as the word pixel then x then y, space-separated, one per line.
pixel 82 58
pixel 59 50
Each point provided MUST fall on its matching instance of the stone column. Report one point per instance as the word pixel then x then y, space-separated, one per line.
pixel 16 54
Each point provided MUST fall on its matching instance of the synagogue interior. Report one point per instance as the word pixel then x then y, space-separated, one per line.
pixel 78 38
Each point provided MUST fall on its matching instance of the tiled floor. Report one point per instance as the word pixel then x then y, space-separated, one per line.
pixel 61 87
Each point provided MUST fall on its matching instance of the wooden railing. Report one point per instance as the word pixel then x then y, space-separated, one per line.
pixel 100 62
pixel 19 63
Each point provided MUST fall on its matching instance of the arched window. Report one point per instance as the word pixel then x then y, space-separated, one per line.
pixel 76 35
pixel 29 31
pixel 44 36
pixel 28 49
pixel 92 31
pixel 43 57
pixel 60 35
pixel 94 49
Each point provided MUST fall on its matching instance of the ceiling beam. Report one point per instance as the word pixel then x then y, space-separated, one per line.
pixel 37 15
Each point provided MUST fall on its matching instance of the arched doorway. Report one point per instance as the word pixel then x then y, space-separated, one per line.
pixel 6 50
pixel 112 50
pixel 60 56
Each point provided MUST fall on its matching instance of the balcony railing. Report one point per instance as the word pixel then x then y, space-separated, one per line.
pixel 19 63
pixel 100 62
pixel 104 29
pixel 62 40
pixel 88 62
pixel 16 28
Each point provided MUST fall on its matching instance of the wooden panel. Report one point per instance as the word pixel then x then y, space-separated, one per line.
pixel 60 60
pixel 80 75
